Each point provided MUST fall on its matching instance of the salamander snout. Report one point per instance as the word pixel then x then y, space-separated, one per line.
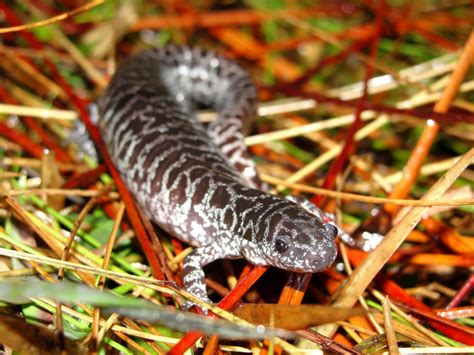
pixel 298 241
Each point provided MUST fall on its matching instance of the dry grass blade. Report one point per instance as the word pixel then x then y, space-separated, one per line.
pixel 355 285
pixel 432 339
pixel 382 83
pixel 427 169
pixel 75 53
pixel 309 128
pixel 293 316
pixel 363 198
pixel 43 113
pixel 105 265
pixel 58 192
pixel 54 19
pixel 36 163
pixel 389 331
pixel 120 277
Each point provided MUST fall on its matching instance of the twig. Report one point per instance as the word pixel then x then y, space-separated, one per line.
pixel 462 293
pixel 413 321
pixel 219 18
pixel 363 198
pixel 44 113
pixel 105 265
pixel 389 331
pixel 58 192
pixel 430 131
pixel 54 19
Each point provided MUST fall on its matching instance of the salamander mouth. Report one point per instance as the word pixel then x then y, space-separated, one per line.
pixel 306 263
pixel 316 266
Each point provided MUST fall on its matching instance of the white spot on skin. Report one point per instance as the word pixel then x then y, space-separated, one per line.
pixel 180 97
pixel 183 70
pixel 197 231
pixel 249 172
pixel 214 62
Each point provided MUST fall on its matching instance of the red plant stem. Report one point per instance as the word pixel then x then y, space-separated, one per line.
pixel 84 179
pixel 349 145
pixel 295 288
pixel 127 198
pixel 354 47
pixel 46 139
pixel 406 21
pixel 21 139
pixel 226 18
pixel 446 326
pixel 227 303
pixel 431 128
pixel 362 32
pixel 431 36
pixel 67 24
pixel 430 314
pixel 327 344
pixel 462 293
pixel 403 24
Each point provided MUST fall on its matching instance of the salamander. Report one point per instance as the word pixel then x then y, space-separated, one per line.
pixel 198 182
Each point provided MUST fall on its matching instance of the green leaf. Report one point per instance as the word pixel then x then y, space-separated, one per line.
pixel 102 230
pixel 43 33
pixel 20 290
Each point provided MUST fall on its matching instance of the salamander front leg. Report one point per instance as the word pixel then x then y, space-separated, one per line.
pixel 194 262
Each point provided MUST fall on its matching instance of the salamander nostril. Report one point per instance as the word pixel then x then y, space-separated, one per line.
pixel 332 230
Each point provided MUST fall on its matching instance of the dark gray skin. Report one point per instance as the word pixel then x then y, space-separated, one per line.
pixel 199 183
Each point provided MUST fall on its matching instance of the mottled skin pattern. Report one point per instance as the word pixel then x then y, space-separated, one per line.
pixel 198 183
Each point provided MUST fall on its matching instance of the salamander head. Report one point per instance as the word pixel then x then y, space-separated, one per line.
pixel 296 240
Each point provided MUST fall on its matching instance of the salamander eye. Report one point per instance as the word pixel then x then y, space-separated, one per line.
pixel 332 230
pixel 282 244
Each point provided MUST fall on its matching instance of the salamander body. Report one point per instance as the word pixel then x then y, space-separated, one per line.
pixel 197 182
